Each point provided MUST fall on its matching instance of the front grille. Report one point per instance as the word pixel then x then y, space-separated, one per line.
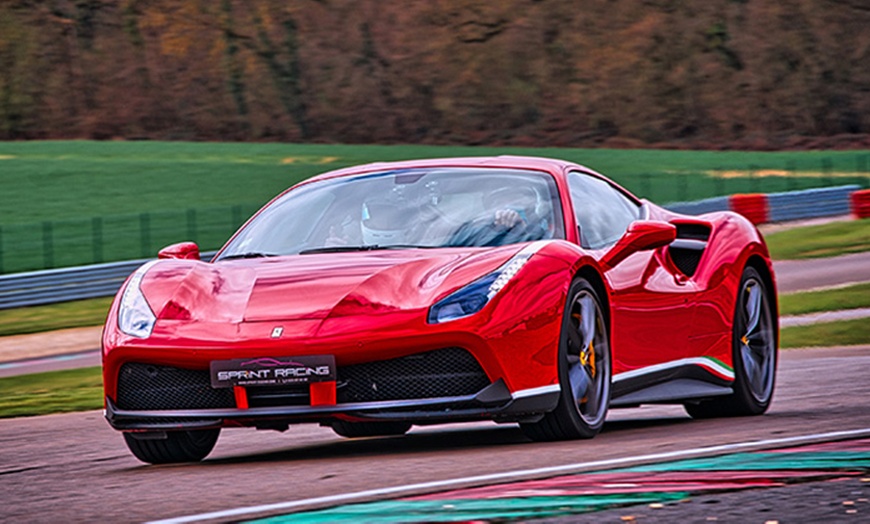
pixel 446 372
pixel 149 387
pixel 274 396
pixel 449 372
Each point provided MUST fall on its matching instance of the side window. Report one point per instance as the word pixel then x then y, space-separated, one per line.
pixel 603 213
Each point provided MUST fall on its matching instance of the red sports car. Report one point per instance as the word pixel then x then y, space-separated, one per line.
pixel 513 289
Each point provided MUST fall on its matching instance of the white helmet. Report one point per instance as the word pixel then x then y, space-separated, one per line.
pixel 383 224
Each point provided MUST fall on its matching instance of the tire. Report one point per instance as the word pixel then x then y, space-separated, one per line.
pixel 370 429
pixel 178 446
pixel 754 343
pixel 584 370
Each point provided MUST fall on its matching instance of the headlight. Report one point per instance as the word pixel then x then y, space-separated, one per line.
pixel 471 298
pixel 135 317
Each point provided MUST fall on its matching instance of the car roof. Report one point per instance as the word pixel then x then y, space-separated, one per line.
pixel 554 166
pixel 557 168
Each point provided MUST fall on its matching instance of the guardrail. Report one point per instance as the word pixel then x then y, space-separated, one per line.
pixel 102 280
pixel 50 286
pixel 761 208
pixel 61 285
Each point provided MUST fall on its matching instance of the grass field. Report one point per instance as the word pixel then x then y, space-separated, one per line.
pixel 60 180
pixel 851 297
pixel 52 392
pixel 36 319
pixel 829 334
pixel 77 202
pixel 824 240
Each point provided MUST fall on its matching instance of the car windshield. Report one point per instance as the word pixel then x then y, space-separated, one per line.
pixel 410 208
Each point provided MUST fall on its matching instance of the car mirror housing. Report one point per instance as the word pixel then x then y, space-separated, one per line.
pixel 641 235
pixel 180 251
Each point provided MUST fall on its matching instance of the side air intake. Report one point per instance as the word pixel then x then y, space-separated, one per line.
pixel 687 249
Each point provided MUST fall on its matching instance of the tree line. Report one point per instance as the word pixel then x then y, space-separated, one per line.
pixel 717 73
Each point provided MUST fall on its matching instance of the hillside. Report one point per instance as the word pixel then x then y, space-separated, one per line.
pixel 718 73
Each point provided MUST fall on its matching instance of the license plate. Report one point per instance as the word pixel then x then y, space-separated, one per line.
pixel 268 371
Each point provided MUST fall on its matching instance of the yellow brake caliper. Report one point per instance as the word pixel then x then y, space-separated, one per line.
pixel 587 355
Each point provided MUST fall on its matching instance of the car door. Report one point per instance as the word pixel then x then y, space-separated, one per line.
pixel 649 301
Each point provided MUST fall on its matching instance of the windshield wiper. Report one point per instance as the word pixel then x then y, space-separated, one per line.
pixel 248 255
pixel 373 247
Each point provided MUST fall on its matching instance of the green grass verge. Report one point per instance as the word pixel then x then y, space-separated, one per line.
pixel 840 333
pixel 52 392
pixel 35 319
pixel 850 297
pixel 824 240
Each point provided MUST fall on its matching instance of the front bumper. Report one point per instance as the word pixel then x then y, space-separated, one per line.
pixel 495 402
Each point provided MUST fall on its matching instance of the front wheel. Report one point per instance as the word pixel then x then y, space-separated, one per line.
pixel 177 446
pixel 584 370
pixel 754 355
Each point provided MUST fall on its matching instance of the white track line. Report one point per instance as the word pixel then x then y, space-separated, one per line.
pixel 514 475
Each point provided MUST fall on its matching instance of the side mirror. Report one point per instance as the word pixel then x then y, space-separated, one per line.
pixel 180 251
pixel 641 235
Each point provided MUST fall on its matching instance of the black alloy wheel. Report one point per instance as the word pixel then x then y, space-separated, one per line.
pixel 754 342
pixel 584 370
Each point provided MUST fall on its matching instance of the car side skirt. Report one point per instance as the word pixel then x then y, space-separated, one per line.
pixel 675 382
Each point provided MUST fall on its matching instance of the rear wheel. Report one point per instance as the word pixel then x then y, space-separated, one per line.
pixel 754 355
pixel 584 370
pixel 178 446
pixel 369 429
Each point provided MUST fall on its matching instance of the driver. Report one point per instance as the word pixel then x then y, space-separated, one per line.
pixel 379 222
pixel 509 217
pixel 383 223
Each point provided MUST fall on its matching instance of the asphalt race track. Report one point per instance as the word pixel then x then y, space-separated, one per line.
pixel 74 468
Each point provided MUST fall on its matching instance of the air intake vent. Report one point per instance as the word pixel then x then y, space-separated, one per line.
pixel 148 387
pixel 446 372
pixel 693 231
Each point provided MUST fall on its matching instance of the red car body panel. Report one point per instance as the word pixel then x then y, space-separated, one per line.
pixel 372 322
pixel 372 306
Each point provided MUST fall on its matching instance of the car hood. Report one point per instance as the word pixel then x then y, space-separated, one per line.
pixel 314 286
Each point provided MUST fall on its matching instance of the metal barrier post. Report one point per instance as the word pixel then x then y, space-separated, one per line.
pixel 97 238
